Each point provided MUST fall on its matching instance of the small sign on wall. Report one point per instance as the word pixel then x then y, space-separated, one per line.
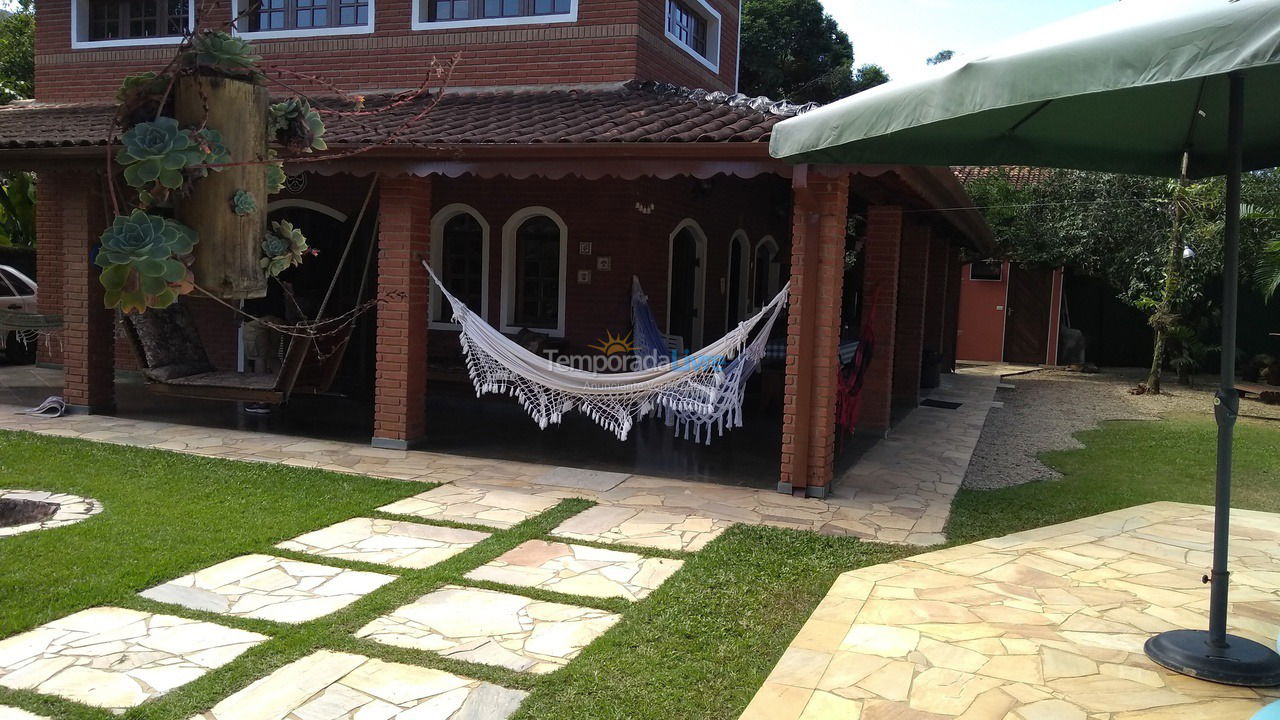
pixel 604 263
pixel 584 248
pixel 584 277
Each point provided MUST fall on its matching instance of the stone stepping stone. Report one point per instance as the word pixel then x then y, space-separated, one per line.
pixel 269 588
pixel 115 658
pixel 480 506
pixel 13 713
pixel 578 570
pixel 492 628
pixel 67 509
pixel 620 525
pixel 328 685
pixel 386 542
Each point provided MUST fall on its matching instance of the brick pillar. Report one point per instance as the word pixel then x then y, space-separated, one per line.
pixel 936 297
pixel 913 285
pixel 820 213
pixel 404 239
pixel 88 332
pixel 883 241
pixel 49 262
pixel 951 314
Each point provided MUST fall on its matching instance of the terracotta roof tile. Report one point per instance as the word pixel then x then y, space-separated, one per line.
pixel 1019 176
pixel 635 113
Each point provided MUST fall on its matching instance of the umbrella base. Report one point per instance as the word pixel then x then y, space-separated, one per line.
pixel 1243 662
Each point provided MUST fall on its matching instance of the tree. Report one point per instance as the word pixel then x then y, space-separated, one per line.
pixel 941 57
pixel 869 76
pixel 1131 232
pixel 17 209
pixel 17 53
pixel 793 49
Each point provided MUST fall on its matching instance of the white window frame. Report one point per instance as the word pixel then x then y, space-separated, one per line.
pixel 438 221
pixel 699 280
pixel 1000 266
pixel 742 303
pixel 507 324
pixel 80 30
pixel 238 5
pixel 712 17
pixel 420 21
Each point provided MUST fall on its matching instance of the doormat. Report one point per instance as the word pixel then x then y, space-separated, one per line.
pixel 944 404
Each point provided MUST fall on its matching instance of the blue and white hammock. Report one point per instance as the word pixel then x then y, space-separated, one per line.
pixel 696 391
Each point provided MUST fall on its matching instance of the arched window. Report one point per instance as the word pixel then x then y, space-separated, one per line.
pixel 766 277
pixel 534 242
pixel 537 276
pixel 460 256
pixel 462 262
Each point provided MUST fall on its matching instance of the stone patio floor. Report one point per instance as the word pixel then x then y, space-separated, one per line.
pixel 1047 624
pixel 900 491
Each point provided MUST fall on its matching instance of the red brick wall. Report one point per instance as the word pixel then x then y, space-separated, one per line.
pixel 612 41
pixel 880 278
pixel 49 260
pixel 913 279
pixel 813 332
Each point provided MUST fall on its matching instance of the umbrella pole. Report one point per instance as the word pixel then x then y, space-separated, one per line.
pixel 1215 655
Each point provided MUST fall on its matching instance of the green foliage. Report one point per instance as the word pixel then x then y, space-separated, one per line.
pixel 221 52
pixel 17 209
pixel 793 49
pixel 296 125
pixel 17 53
pixel 243 203
pixel 144 261
pixel 869 76
pixel 282 248
pixel 941 57
pixel 158 156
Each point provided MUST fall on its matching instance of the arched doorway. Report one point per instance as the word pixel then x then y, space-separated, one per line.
pixel 685 289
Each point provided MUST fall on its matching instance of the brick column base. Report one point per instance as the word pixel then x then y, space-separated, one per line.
pixel 404 241
pixel 820 210
pixel 88 333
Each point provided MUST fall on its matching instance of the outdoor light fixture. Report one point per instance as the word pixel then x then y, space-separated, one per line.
pixel 1188 253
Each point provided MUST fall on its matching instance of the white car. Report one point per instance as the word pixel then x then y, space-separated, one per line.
pixel 17 293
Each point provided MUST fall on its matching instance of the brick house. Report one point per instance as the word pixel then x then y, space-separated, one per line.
pixel 568 126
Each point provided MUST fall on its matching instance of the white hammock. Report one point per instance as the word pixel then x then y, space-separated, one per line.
pixel 690 386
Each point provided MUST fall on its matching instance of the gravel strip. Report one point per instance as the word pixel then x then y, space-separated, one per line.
pixel 1047 408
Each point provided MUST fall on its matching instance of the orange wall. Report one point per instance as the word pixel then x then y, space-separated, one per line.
pixel 980 336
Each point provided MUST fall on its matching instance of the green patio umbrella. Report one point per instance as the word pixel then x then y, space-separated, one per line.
pixel 1153 88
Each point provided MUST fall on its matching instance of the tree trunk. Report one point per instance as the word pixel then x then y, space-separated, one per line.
pixel 1162 318
pixel 230 245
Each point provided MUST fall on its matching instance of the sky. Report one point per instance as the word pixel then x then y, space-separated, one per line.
pixel 901 34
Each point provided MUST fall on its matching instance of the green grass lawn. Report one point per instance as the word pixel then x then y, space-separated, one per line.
pixel 696 649
pixel 1127 463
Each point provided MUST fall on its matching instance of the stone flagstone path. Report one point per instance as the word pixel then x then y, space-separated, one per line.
pixel 13 713
pixel 578 570
pixel 617 524
pixel 899 492
pixel 1047 624
pixel 269 588
pixel 70 509
pixel 386 542
pixel 115 658
pixel 493 628
pixel 331 685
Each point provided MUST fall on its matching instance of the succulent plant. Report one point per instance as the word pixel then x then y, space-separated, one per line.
pixel 282 248
pixel 140 96
pixel 223 52
pixel 243 203
pixel 275 173
pixel 158 152
pixel 144 261
pixel 296 125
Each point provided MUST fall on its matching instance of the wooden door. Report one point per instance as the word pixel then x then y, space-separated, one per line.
pixel 1026 332
pixel 684 305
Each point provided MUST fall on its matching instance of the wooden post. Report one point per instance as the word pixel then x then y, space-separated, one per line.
pixel 226 262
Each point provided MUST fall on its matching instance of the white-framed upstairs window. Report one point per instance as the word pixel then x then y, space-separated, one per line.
pixel 460 257
pixel 694 26
pixel 268 19
pixel 534 261
pixel 445 14
pixel 122 23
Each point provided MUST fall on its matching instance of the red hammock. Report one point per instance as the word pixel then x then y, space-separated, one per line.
pixel 852 375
